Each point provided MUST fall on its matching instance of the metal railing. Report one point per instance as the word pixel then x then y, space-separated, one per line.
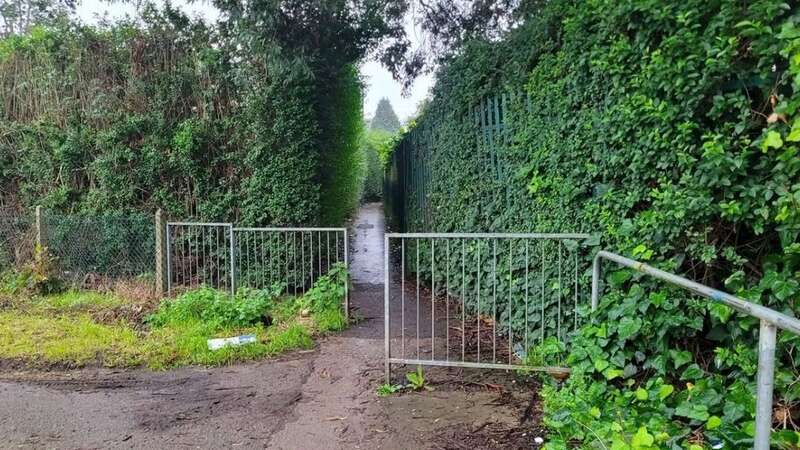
pixel 771 320
pixel 480 300
pixel 222 256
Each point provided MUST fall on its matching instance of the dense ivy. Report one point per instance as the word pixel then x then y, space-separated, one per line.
pixel 670 129
pixel 166 111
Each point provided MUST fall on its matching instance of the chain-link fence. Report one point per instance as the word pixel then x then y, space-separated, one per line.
pixel 17 237
pixel 89 249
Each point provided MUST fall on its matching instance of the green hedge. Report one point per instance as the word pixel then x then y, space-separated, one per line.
pixel 165 112
pixel 670 129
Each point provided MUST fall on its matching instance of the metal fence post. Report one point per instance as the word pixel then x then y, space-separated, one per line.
pixel 233 265
pixel 160 279
pixel 41 236
pixel 595 282
pixel 766 374
pixel 386 278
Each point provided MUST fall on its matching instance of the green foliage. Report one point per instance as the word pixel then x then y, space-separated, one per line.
pixel 671 128
pixel 375 142
pixel 386 389
pixel 417 380
pixel 249 307
pixel 38 277
pixel 343 181
pixel 177 114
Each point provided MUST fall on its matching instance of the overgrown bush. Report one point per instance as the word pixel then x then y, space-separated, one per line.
pixel 670 129
pixel 248 308
pixel 167 111
pixel 374 142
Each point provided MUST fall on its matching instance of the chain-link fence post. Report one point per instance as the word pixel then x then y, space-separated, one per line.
pixel 41 233
pixel 160 252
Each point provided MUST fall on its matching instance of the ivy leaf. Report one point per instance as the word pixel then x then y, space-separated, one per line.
pixel 794 135
pixel 641 394
pixel 773 140
pixel 713 423
pixel 628 327
pixel 692 372
pixel 665 390
pixel 600 365
pixel 680 358
pixel 642 439
pixel 696 412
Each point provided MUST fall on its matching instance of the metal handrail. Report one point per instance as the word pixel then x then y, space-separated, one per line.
pixel 771 320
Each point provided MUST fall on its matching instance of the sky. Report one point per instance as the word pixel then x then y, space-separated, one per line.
pixel 379 82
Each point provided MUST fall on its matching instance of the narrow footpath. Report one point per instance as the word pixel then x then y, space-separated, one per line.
pixel 320 399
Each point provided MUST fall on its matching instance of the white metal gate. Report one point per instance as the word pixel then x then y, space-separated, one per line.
pixel 481 300
pixel 221 256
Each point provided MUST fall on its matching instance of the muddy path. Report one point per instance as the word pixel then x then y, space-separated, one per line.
pixel 320 399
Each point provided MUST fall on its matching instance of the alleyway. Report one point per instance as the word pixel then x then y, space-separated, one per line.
pixel 322 399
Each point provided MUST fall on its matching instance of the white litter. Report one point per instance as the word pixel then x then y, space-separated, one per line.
pixel 538 440
pixel 216 344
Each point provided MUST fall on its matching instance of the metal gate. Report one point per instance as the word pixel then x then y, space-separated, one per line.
pixel 481 300
pixel 221 256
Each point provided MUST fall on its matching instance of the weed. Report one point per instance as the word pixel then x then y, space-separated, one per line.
pixel 387 389
pixel 417 380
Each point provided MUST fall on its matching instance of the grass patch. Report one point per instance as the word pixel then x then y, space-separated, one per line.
pixel 65 329
pixel 70 339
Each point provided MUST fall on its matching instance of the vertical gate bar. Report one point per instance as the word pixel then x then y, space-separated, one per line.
pixel 560 246
pixel 347 280
pixel 480 269
pixel 337 247
pixel 319 253
pixel 303 260
pixel 217 257
pixel 433 299
pixel 311 257
pixel 416 269
pixel 203 250
pixel 463 299
pixel 494 302
pixel 328 250
pixel 246 268
pixel 293 264
pixel 285 258
pixel 575 309
pixel 232 256
pixel 595 282
pixel 541 270
pixel 447 302
pixel 263 262
pixel 169 267
pixel 510 296
pixel 764 387
pixel 196 255
pixel 403 297
pixel 387 342
pixel 527 286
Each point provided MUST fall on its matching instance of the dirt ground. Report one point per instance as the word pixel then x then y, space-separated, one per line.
pixel 320 399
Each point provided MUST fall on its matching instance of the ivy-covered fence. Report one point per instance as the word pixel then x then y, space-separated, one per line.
pixel 670 128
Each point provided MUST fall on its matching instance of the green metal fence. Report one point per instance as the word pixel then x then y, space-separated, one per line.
pixel 409 182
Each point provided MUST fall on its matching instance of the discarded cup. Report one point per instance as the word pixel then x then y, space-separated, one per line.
pixel 216 344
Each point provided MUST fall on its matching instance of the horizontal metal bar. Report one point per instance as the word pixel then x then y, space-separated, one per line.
pixel 283 230
pixel 761 312
pixel 475 365
pixel 490 235
pixel 200 224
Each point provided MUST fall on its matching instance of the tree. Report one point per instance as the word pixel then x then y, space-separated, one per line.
pixel 385 118
pixel 17 16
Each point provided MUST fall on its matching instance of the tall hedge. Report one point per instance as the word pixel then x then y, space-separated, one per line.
pixel 170 112
pixel 670 129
